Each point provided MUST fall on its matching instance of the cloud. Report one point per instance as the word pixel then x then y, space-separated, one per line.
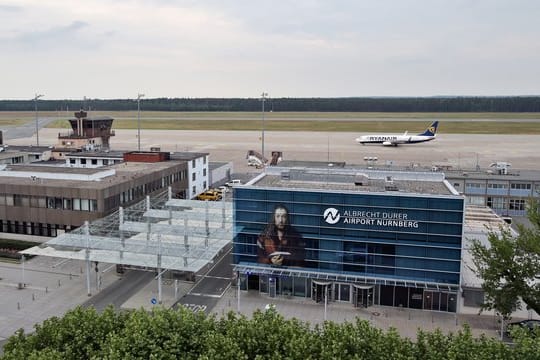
pixel 10 8
pixel 288 48
pixel 52 35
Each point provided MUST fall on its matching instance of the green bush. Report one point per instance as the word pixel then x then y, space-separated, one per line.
pixel 9 248
pixel 83 333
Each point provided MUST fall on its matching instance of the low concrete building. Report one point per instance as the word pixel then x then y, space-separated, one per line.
pixel 48 200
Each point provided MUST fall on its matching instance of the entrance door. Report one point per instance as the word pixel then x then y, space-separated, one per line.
pixel 362 296
pixel 342 292
pixel 263 284
pixel 272 287
pixel 319 290
pixel 432 300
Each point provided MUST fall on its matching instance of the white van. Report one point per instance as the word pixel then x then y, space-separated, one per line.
pixel 233 182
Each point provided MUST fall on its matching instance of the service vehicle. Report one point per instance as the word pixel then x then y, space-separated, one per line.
pixel 210 195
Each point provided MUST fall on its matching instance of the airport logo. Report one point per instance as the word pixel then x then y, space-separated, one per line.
pixel 331 215
pixel 370 218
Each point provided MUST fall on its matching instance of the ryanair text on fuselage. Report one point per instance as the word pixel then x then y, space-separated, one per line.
pixel 394 140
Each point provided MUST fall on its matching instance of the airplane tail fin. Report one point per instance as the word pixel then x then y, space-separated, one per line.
pixel 431 130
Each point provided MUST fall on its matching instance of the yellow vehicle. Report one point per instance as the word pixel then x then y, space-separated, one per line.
pixel 211 195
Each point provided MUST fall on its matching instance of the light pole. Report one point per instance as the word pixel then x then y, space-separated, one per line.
pixel 264 96
pixel 37 125
pixel 139 96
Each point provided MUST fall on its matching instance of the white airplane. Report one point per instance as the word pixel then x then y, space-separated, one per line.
pixel 395 140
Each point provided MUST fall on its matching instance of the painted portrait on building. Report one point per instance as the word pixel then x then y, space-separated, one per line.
pixel 280 244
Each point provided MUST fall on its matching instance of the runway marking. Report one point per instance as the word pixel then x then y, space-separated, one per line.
pixel 212 295
pixel 195 307
pixel 206 295
pixel 217 277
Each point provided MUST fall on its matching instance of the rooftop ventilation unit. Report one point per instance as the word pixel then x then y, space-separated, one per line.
pixel 501 166
pixel 361 180
pixel 389 184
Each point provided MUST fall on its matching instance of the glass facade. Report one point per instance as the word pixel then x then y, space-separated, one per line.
pixel 410 238
pixel 385 236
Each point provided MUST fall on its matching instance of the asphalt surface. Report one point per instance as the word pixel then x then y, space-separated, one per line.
pixel 206 293
pixel 458 151
pixel 119 292
pixel 26 130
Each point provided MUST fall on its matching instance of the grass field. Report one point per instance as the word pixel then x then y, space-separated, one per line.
pixel 456 123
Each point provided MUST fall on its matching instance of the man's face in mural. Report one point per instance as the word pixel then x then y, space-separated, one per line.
pixel 280 218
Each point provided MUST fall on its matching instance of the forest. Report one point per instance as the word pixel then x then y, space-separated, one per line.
pixel 345 104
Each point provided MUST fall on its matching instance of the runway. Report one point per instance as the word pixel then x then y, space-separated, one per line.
pixel 458 151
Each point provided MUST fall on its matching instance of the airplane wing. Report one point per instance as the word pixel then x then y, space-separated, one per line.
pixel 397 141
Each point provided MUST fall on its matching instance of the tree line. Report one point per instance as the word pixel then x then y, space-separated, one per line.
pixel 349 104
pixel 83 333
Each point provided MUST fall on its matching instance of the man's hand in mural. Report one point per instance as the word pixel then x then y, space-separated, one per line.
pixel 276 260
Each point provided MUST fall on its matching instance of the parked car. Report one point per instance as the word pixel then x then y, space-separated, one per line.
pixel 223 189
pixel 531 325
pixel 211 195
pixel 233 182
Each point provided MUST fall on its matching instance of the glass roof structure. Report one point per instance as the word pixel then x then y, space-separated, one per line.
pixel 158 232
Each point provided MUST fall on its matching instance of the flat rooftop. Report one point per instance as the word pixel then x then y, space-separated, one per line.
pixel 87 178
pixel 97 154
pixel 26 148
pixel 11 154
pixel 479 222
pixel 394 182
pixel 488 174
pixel 187 156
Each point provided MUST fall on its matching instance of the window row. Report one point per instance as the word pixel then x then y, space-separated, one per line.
pixel 48 202
pixel 137 192
pixel 497 186
pixel 395 202
pixel 520 186
pixel 70 204
pixel 513 186
pixel 33 228
pixel 498 203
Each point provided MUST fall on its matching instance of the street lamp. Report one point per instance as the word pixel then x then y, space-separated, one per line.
pixel 264 96
pixel 37 125
pixel 139 96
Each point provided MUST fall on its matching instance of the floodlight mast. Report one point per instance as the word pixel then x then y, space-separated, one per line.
pixel 264 96
pixel 36 97
pixel 139 96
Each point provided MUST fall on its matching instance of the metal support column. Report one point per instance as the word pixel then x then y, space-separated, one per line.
pixel 87 256
pixel 238 292
pixel 159 267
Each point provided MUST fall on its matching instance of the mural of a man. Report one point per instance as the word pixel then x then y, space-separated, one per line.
pixel 280 243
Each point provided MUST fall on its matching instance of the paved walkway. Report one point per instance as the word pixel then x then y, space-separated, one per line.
pixel 406 321
pixel 54 286
pixel 51 287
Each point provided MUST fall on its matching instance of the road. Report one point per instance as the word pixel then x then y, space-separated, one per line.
pixel 119 292
pixel 211 287
pixel 26 130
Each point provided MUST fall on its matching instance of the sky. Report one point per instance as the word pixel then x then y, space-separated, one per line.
pixel 106 49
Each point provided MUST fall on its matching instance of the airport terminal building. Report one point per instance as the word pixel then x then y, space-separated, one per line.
pixel 364 238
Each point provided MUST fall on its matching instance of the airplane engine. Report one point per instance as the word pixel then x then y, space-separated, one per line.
pixel 387 143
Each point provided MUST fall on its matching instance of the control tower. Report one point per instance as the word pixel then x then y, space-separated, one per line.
pixel 89 130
